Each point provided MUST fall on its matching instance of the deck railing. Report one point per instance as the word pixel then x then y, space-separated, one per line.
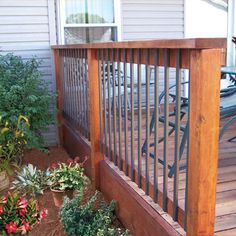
pixel 111 94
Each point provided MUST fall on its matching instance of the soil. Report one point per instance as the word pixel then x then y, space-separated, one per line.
pixel 51 226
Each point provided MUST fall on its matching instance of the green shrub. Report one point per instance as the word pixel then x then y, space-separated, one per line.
pixel 91 219
pixel 23 92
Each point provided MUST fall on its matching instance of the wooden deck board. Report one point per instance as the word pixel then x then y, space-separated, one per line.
pixel 226 185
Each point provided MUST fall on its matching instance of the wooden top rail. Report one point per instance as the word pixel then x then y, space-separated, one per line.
pixel 196 43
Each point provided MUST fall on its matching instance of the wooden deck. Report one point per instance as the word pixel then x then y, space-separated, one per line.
pixel 226 185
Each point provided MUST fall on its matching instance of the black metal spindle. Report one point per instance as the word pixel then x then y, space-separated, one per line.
pixel 68 83
pixel 73 86
pixel 139 118
pixel 132 113
pixel 166 124
pixel 114 105
pixel 177 136
pixel 147 75
pixel 156 110
pixel 86 93
pixel 119 109
pixel 82 93
pixel 126 113
pixel 109 103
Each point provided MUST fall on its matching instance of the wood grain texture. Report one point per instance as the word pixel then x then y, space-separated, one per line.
pixel 93 79
pixel 198 43
pixel 134 212
pixel 203 140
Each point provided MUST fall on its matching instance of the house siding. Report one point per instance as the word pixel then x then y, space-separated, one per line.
pixel 27 29
pixel 152 19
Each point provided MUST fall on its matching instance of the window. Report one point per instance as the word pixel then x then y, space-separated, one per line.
pixel 88 21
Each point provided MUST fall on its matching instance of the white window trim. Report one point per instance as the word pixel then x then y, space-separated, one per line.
pixel 61 21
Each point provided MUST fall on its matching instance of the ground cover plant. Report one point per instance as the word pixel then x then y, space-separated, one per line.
pixel 89 219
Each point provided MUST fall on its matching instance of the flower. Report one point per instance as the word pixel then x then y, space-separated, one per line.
pixel 4 199
pixel 22 203
pixel 1 209
pixel 54 165
pixel 11 227
pixel 22 211
pixel 70 161
pixel 25 227
pixel 44 213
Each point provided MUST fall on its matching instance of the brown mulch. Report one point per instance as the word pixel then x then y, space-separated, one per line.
pixel 51 225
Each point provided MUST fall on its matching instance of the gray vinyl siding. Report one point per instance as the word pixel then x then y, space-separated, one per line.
pixel 152 19
pixel 26 30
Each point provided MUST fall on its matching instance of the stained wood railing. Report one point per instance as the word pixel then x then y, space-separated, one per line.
pixel 109 94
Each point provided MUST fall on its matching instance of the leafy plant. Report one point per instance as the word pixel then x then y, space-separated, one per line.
pixel 19 215
pixel 31 181
pixel 13 137
pixel 68 176
pixel 6 165
pixel 23 92
pixel 92 218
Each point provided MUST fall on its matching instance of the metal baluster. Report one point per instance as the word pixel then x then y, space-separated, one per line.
pixel 177 135
pixel 126 115
pixel 86 94
pixel 109 104
pixel 156 110
pixel 166 126
pixel 147 75
pixel 114 105
pixel 139 119
pixel 79 91
pixel 119 110
pixel 73 86
pixel 82 94
pixel 132 113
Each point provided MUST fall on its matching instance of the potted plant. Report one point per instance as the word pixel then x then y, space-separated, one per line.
pixel 18 215
pixel 64 179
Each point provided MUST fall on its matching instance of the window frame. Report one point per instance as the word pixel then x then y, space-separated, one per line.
pixel 62 25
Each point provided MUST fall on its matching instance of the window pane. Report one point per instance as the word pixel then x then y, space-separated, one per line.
pixel 89 35
pixel 89 11
pixel 75 11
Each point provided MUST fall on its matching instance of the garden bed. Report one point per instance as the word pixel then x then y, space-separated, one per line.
pixel 51 225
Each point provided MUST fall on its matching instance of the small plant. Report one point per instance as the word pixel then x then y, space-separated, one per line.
pixel 91 219
pixel 68 177
pixel 19 215
pixel 31 181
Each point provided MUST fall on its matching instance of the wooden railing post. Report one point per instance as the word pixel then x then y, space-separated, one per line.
pixel 93 79
pixel 58 74
pixel 203 140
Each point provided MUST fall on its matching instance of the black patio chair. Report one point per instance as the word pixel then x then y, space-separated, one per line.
pixel 227 109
